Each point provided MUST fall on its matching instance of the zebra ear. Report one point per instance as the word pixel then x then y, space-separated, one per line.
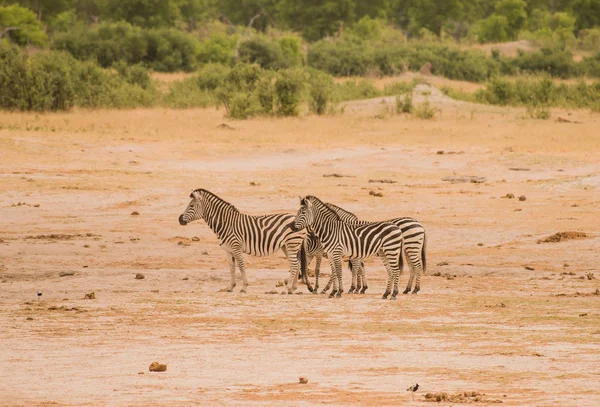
pixel 301 200
pixel 307 202
pixel 195 194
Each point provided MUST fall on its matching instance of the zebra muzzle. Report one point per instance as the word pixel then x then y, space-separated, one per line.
pixel 181 221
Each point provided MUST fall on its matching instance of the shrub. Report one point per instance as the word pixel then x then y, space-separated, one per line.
pixel 404 104
pixel 41 82
pixel 242 105
pixel 320 91
pixel 238 92
pixel 217 49
pixel 187 93
pixel 134 74
pixel 538 112
pixel 343 58
pixel 212 76
pixel 270 54
pixel 425 110
pixel 355 90
pixel 552 61
pixel 265 89
pixel 289 85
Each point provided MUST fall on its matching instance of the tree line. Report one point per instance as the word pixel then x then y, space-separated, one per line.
pixel 482 20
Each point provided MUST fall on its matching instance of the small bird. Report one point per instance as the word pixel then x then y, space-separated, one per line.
pixel 413 389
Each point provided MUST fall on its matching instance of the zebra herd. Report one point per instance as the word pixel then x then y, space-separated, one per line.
pixel 318 230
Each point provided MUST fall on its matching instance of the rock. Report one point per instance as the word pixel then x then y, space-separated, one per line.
pixel 195 239
pixel 280 283
pixel 90 296
pixel 29 319
pixel 225 126
pixel 303 380
pixel 135 213
pixel 479 244
pixel 522 198
pixel 440 152
pixel 140 276
pixel 519 169
pixel 443 263
pixel 508 196
pixel 66 273
pixel 157 367
pixel 254 184
pixel 140 372
pixel 36 205
pixel 377 194
pixel 529 268
pixel 185 278
pixel 271 292
pixel 590 276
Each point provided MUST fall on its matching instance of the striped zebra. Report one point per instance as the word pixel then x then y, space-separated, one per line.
pixel 414 247
pixel 314 249
pixel 239 233
pixel 340 239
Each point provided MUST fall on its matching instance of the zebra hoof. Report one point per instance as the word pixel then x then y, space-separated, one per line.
pixel 243 290
pixel 363 290
pixel 351 291
pixel 226 290
pixel 415 291
pixel 339 295
pixel 385 295
pixel 406 291
pixel 324 292
pixel 332 295
pixel 392 298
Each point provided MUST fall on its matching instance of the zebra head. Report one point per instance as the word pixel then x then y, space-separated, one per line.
pixel 194 210
pixel 305 216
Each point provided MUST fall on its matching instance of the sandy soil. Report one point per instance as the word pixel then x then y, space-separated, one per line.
pixel 498 313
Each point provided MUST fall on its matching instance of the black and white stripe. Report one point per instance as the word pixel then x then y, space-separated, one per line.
pixel 239 233
pixel 340 239
pixel 414 247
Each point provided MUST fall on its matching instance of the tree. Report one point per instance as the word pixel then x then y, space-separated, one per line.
pixel 433 14
pixel 516 16
pixel 317 18
pixel 494 29
pixel 21 26
pixel 587 13
pixel 145 13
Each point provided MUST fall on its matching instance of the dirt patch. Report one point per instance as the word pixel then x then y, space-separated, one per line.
pixel 563 236
pixel 466 397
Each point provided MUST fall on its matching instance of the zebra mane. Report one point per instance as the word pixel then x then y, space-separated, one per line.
pixel 339 210
pixel 322 205
pixel 213 197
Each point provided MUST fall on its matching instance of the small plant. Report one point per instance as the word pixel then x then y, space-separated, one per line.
pixel 404 104
pixel 538 112
pixel 425 110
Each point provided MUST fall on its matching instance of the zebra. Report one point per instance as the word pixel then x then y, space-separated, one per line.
pixel 314 249
pixel 239 233
pixel 355 241
pixel 414 247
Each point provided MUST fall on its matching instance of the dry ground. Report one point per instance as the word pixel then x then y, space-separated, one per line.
pixel 486 323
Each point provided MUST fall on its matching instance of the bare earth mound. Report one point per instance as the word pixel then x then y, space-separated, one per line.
pixel 562 236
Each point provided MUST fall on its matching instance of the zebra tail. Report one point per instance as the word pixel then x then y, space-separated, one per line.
pixel 424 260
pixel 401 258
pixel 303 266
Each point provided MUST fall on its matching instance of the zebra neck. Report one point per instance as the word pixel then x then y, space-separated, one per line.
pixel 324 228
pixel 220 218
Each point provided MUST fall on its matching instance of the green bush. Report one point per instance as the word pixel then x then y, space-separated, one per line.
pixel 41 82
pixel 212 76
pixel 555 62
pixel 289 86
pixel 238 94
pixel 164 50
pixel 320 91
pixel 355 90
pixel 218 49
pixel 134 74
pixel 343 58
pixel 270 54
pixel 188 93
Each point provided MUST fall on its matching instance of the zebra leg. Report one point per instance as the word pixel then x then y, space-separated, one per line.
pixel 354 271
pixel 231 261
pixel 292 255
pixel 239 259
pixel 411 265
pixel 363 275
pixel 359 282
pixel 338 271
pixel 331 279
pixel 318 258
pixel 388 288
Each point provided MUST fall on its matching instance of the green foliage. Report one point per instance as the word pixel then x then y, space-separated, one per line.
pixel 28 30
pixel 163 49
pixel 289 85
pixel 212 76
pixel 187 94
pixel 270 54
pixel 590 39
pixel 355 90
pixel 218 48
pixel 552 61
pixel 320 91
pixel 539 92
pixel 515 14
pixel 538 112
pixel 494 29
pixel 238 94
